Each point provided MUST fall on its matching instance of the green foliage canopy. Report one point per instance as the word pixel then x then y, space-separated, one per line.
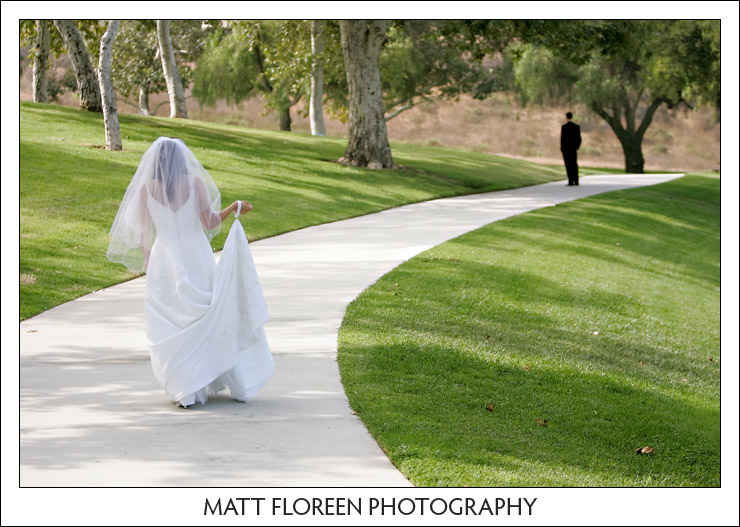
pixel 420 60
pixel 621 70
pixel 136 61
pixel 251 57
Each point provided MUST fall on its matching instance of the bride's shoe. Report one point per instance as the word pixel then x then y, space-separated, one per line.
pixel 180 405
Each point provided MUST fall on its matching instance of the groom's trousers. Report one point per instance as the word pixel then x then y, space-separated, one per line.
pixel 570 157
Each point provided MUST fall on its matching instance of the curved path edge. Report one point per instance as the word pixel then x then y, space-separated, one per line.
pixel 91 413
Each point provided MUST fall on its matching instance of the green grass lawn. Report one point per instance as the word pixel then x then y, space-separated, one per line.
pixel 70 188
pixel 543 349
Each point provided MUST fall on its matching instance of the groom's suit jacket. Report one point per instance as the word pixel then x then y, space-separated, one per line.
pixel 570 137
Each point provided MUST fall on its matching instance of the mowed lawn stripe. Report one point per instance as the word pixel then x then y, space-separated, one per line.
pixel 544 349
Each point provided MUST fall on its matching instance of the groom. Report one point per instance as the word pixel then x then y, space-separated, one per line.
pixel 570 141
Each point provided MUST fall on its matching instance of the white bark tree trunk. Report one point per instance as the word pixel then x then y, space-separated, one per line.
pixel 40 59
pixel 367 145
pixel 316 106
pixel 144 99
pixel 110 114
pixel 87 83
pixel 171 75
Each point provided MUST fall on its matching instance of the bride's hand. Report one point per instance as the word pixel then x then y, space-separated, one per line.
pixel 246 207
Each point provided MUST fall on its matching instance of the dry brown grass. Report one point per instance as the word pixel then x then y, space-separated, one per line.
pixel 679 140
pixel 27 278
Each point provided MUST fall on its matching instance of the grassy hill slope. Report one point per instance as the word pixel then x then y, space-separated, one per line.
pixel 543 349
pixel 70 187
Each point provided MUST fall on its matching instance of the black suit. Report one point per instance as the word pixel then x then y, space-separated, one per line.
pixel 570 141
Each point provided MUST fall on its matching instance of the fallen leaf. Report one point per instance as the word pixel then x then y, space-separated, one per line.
pixel 527 367
pixel 542 422
pixel 685 379
pixel 490 407
pixel 711 359
pixel 644 450
pixel 642 363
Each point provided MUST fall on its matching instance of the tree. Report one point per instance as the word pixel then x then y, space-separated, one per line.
pixel 367 145
pixel 110 114
pixel 424 60
pixel 137 67
pixel 316 109
pixel 622 70
pixel 169 67
pixel 87 83
pixel 691 62
pixel 420 61
pixel 91 33
pixel 271 58
pixel 40 60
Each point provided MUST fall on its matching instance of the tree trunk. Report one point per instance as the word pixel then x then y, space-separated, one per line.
pixel 630 136
pixel 316 106
pixel 110 114
pixel 285 120
pixel 87 83
pixel 40 60
pixel 144 99
pixel 367 145
pixel 634 162
pixel 171 75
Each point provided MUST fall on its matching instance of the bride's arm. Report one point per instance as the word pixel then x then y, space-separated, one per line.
pixel 246 207
pixel 144 221
pixel 208 217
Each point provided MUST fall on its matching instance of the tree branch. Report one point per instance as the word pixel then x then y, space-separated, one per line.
pixel 261 66
pixel 629 112
pixel 154 112
pixel 648 118
pixel 409 105
pixel 393 104
pixel 295 100
pixel 166 101
pixel 398 110
pixel 613 121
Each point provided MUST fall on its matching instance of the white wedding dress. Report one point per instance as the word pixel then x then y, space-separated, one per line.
pixel 204 322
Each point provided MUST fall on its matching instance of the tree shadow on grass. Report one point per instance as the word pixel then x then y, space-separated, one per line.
pixel 656 242
pixel 431 345
pixel 591 428
pixel 430 387
pixel 519 312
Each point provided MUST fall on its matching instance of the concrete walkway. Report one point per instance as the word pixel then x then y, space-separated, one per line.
pixel 91 413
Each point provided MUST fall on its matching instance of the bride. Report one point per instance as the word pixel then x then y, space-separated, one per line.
pixel 204 322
